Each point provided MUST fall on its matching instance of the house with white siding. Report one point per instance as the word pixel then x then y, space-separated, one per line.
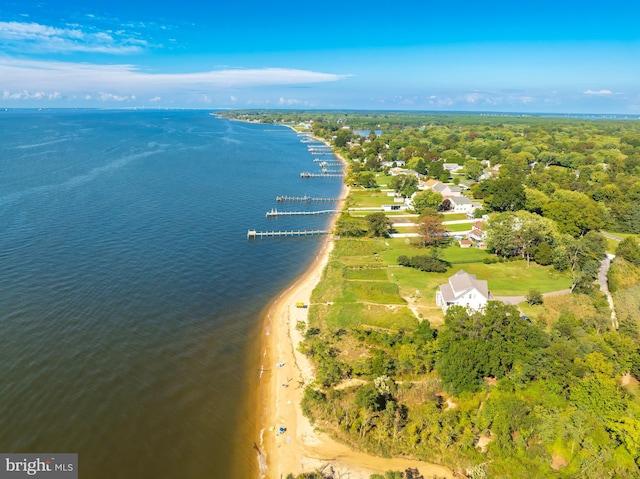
pixel 464 290
pixel 459 204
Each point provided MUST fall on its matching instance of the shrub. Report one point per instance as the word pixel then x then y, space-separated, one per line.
pixel 534 297
pixel 543 255
pixel 424 263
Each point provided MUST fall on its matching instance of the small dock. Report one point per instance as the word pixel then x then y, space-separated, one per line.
pixel 253 234
pixel 306 174
pixel 274 213
pixel 303 199
pixel 327 162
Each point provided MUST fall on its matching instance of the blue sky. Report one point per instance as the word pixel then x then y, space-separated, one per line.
pixel 559 56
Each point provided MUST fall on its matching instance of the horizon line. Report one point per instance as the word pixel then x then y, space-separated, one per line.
pixel 355 110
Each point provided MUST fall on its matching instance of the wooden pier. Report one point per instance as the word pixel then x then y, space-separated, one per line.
pixel 253 234
pixel 304 199
pixel 306 174
pixel 274 213
pixel 328 162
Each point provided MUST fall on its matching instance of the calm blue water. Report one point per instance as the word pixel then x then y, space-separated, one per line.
pixel 130 297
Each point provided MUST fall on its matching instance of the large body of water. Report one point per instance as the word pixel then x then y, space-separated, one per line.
pixel 130 298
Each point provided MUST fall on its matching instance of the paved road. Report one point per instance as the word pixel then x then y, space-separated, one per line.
pixel 519 299
pixel 603 279
pixel 610 236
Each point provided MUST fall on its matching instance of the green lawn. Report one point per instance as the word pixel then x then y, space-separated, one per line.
pixel 459 227
pixel 613 244
pixel 371 292
pixel 515 279
pixel 383 180
pixel 366 199
pixel 455 217
pixel 343 315
pixel 367 274
pixel 364 285
pixel 455 254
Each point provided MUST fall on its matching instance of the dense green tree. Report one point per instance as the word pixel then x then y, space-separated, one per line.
pixel 543 254
pixel 342 137
pixel 346 225
pixel 426 199
pixel 365 179
pixel 473 169
pixel 519 233
pixel 629 250
pixel 574 213
pixel 406 185
pixel 378 225
pixel 475 345
pixel 535 200
pixel 435 169
pixel 419 164
pixel 504 194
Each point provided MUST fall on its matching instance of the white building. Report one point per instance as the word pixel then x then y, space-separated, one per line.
pixel 459 204
pixel 464 290
pixel 452 167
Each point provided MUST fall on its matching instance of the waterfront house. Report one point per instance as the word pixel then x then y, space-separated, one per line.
pixel 463 289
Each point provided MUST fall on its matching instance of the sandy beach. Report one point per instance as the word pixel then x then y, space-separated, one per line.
pixel 285 372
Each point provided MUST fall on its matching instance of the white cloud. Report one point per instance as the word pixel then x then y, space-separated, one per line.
pixel 472 97
pixel 598 92
pixel 233 98
pixel 155 99
pixel 29 95
pixel 29 37
pixel 289 101
pixel 112 97
pixel 126 80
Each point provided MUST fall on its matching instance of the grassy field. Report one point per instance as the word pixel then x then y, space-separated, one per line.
pixel 515 279
pixel 454 216
pixel 366 284
pixel 367 198
pixel 613 244
pixel 459 227
pixel 363 285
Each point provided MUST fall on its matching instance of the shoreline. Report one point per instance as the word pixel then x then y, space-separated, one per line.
pixel 300 448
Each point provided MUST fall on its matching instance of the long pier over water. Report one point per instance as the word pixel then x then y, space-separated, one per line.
pixel 306 174
pixel 274 213
pixel 305 199
pixel 253 234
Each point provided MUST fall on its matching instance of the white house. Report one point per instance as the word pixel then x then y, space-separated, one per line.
pixel 464 290
pixel 477 233
pixel 402 171
pixel 452 167
pixel 459 204
pixel 390 164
